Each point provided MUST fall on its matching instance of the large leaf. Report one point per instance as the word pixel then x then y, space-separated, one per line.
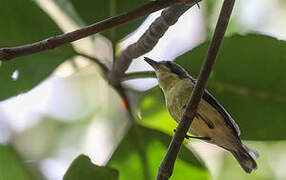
pixel 249 80
pixel 95 11
pixel 11 165
pixel 68 8
pixel 24 22
pixel 140 153
pixel 82 168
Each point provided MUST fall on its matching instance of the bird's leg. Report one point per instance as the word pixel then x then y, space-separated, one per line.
pixel 187 136
pixel 196 137
pixel 209 124
pixel 184 107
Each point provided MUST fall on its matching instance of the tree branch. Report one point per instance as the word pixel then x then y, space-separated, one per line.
pixel 98 62
pixel 167 166
pixel 7 54
pixel 139 74
pixel 148 40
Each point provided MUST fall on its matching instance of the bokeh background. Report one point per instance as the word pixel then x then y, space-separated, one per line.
pixel 74 111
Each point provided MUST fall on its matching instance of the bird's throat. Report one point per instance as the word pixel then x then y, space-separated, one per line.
pixel 167 81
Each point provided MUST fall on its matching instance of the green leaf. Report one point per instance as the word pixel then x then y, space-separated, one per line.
pixel 142 151
pixel 82 168
pixel 11 165
pixel 26 23
pixel 249 81
pixel 67 7
pixel 95 11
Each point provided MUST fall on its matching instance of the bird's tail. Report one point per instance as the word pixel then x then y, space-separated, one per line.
pixel 245 156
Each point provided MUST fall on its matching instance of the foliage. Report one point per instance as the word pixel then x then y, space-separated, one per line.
pixel 245 82
pixel 12 166
pixel 105 9
pixel 144 148
pixel 20 29
pixel 251 91
pixel 248 80
pixel 82 168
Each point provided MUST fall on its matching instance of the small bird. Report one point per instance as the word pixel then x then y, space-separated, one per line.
pixel 212 122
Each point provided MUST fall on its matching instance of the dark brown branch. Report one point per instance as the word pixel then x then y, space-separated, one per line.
pixel 148 40
pixel 53 42
pixel 167 166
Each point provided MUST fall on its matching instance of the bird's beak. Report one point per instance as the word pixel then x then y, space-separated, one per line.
pixel 152 63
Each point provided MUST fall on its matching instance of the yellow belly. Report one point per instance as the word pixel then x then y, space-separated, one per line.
pixel 221 134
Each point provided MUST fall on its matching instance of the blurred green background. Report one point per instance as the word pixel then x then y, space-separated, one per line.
pixel 56 106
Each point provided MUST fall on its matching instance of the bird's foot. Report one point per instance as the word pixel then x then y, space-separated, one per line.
pixel 184 107
pixel 196 137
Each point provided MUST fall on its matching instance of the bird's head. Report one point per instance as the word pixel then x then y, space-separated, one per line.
pixel 167 72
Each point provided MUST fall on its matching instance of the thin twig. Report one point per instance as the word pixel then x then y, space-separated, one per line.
pixel 138 75
pixel 167 166
pixel 148 40
pixel 7 54
pixel 98 62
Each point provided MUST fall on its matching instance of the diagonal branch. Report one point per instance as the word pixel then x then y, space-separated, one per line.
pixel 148 40
pixel 98 62
pixel 138 75
pixel 7 54
pixel 167 166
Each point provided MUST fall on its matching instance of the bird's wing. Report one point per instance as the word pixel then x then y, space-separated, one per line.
pixel 228 119
pixel 212 101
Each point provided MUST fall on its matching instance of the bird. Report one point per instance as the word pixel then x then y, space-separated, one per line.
pixel 212 123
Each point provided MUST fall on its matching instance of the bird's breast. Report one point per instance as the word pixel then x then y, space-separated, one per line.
pixel 178 96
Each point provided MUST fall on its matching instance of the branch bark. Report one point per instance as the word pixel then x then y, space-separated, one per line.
pixel 167 166
pixel 7 54
pixel 148 40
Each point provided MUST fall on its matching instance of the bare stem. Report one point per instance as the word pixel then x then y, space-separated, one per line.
pixel 98 62
pixel 148 40
pixel 7 54
pixel 167 166
pixel 139 74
